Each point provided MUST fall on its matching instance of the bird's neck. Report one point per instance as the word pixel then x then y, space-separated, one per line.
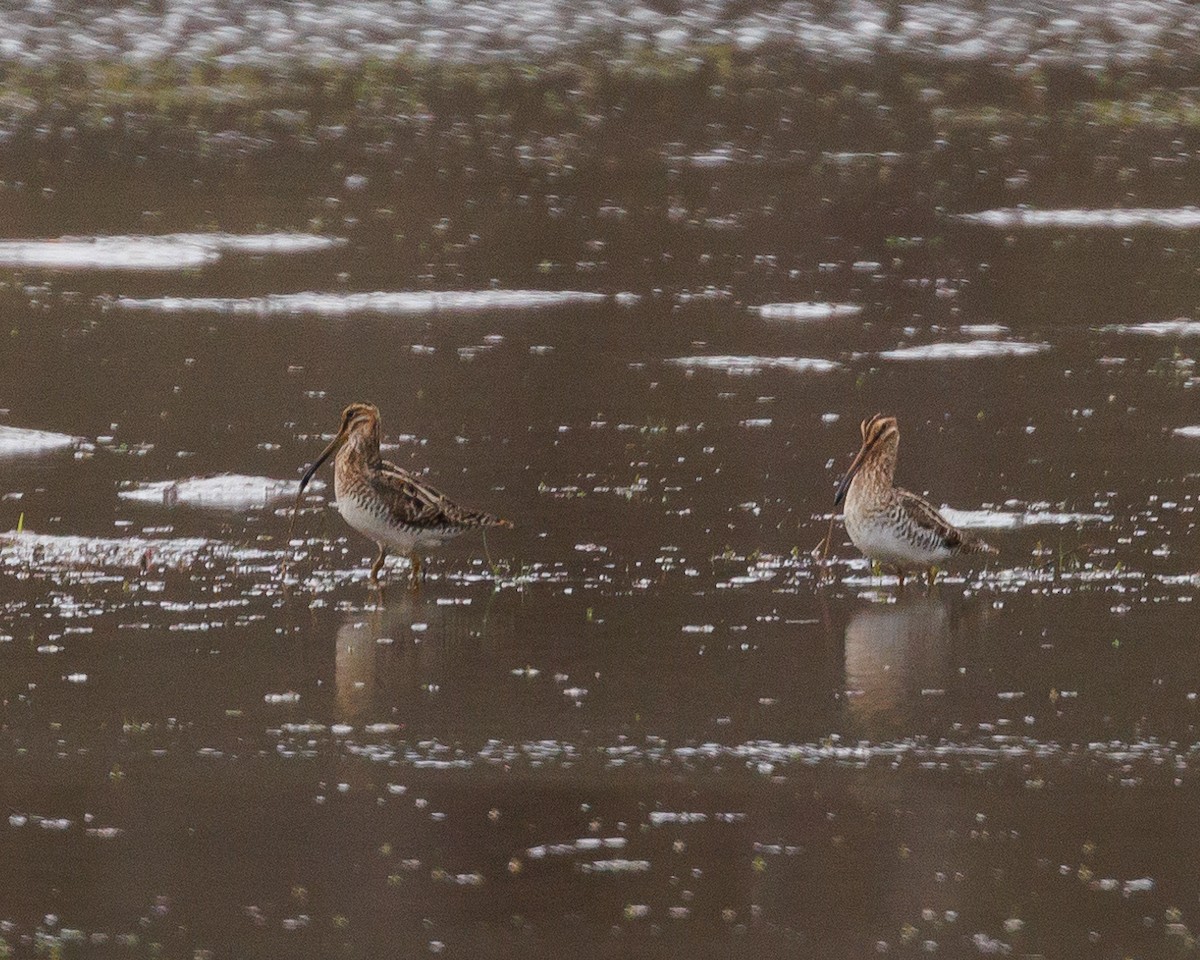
pixel 879 470
pixel 361 445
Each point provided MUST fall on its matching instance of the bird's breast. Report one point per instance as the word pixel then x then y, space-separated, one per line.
pixel 887 538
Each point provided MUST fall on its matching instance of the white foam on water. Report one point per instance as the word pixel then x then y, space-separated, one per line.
pixel 53 550
pixel 984 329
pixel 169 252
pixel 106 253
pixel 616 865
pixel 981 752
pixel 1006 218
pixel 387 304
pixel 747 365
pixel 228 491
pixel 971 350
pixel 1007 520
pixel 849 158
pixel 1162 328
pixel 262 244
pixel 1191 432
pixel 17 442
pixel 807 311
pixel 58 551
pixel 719 157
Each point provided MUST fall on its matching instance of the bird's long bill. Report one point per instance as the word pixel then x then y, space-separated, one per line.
pixel 329 451
pixel 844 487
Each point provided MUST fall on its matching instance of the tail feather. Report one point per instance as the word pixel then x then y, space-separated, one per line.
pixel 477 518
pixel 976 545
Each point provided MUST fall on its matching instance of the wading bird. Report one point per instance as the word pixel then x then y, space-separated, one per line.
pixel 891 526
pixel 385 502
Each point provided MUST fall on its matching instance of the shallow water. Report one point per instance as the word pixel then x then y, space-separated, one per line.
pixel 646 721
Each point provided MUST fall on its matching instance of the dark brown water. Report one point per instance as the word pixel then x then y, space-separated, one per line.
pixel 647 727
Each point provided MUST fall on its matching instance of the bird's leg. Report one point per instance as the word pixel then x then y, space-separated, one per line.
pixel 378 565
pixel 932 574
pixel 900 574
pixel 876 568
pixel 414 570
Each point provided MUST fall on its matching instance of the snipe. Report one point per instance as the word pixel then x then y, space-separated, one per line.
pixel 386 503
pixel 892 526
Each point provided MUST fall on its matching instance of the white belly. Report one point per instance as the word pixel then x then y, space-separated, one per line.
pixel 399 537
pixel 881 542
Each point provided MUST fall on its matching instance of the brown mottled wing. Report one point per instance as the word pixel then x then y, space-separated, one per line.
pixel 416 503
pixel 938 528
pixel 932 523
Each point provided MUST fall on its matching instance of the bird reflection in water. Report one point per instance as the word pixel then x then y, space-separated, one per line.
pixel 902 660
pixel 397 653
pixel 380 658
